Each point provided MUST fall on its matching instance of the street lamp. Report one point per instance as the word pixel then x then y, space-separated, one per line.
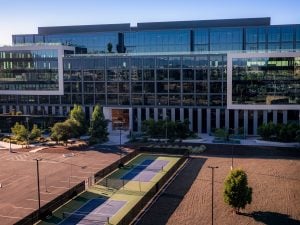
pixel 212 192
pixel 38 183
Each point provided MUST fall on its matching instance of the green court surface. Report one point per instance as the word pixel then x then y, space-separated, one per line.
pixel 127 185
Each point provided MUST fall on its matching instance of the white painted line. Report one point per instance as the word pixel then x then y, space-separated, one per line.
pixel 19 207
pixel 31 199
pixel 11 217
pixel 58 187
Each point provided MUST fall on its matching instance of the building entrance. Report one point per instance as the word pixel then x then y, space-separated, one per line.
pixel 120 119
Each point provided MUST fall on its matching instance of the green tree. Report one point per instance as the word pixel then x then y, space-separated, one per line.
pixel 98 128
pixel 79 123
pixel 236 193
pixel 35 133
pixel 182 129
pixel 109 47
pixel 61 131
pixel 20 132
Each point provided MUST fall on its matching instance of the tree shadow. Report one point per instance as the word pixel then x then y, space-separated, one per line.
pixel 272 218
pixel 166 204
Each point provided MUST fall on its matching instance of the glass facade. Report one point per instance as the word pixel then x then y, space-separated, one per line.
pixel 266 80
pixel 30 70
pixel 176 69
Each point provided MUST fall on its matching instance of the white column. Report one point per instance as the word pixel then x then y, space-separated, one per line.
pixel 236 121
pixel 130 119
pixel 164 113
pixel 191 119
pixel 275 116
pixel 218 118
pixel 199 121
pixel 91 110
pixel 226 118
pixel 265 116
pixel 46 110
pixel 245 122
pixel 208 120
pixel 155 114
pixel 139 118
pixel 181 114
pixel 173 114
pixel 147 114
pixel 284 115
pixel 255 121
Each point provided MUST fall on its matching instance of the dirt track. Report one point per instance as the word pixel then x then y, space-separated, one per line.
pixel 276 194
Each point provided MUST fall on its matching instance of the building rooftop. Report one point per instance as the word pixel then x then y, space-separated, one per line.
pixel 263 21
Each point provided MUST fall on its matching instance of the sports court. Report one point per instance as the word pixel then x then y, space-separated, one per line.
pixel 108 201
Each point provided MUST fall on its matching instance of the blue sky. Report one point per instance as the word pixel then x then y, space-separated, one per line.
pixel 24 16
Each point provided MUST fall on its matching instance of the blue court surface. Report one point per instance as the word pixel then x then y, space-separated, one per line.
pixel 79 214
pixel 137 169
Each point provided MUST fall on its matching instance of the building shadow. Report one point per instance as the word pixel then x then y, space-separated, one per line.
pixel 272 218
pixel 166 204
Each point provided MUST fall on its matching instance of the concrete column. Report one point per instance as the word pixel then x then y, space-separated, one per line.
pixel 236 121
pixel 147 113
pixel 181 114
pixel 31 109
pixel 17 108
pixel 108 115
pixel 208 120
pixel 164 113
pixel 60 110
pixel 245 122
pixel 130 119
pixel 265 116
pixel 275 116
pixel 155 114
pixel 199 112
pixel 284 115
pixel 191 119
pixel 226 118
pixel 139 117
pixel 53 110
pixel 218 118
pixel 46 110
pixel 173 114
pixel 91 111
pixel 255 121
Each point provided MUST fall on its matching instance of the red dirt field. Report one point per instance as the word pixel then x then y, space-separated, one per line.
pixel 276 193
pixel 18 178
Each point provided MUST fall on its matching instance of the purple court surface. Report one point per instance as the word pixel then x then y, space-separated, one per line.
pixel 88 215
pixel 147 173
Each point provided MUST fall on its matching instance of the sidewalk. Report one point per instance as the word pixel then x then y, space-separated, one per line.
pixel 114 137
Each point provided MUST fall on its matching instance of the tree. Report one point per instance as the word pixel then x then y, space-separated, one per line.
pixel 35 133
pixel 79 123
pixel 20 132
pixel 61 131
pixel 109 47
pixel 98 128
pixel 236 193
pixel 182 129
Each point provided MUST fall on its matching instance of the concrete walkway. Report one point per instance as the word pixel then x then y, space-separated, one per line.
pixel 114 137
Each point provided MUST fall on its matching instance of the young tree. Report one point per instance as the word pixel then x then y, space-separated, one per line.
pixel 109 47
pixel 182 129
pixel 236 193
pixel 20 132
pixel 98 128
pixel 35 133
pixel 61 131
pixel 79 123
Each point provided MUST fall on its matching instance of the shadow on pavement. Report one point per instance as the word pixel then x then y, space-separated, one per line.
pixel 272 218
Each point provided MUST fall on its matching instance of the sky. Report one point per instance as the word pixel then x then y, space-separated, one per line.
pixel 25 16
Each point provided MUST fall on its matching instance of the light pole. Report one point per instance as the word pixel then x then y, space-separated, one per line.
pixel 212 192
pixel 38 183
